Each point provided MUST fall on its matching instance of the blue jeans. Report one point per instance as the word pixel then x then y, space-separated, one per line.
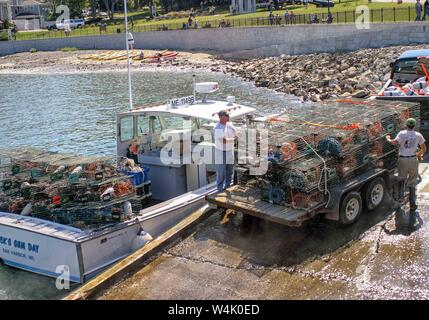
pixel 224 174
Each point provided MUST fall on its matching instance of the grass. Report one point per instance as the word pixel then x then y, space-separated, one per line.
pixel 33 50
pixel 68 49
pixel 342 13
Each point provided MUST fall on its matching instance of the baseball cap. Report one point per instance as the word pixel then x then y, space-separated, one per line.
pixel 223 113
pixel 410 122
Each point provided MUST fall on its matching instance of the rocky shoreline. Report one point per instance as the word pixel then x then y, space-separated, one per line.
pixel 322 76
pixel 313 77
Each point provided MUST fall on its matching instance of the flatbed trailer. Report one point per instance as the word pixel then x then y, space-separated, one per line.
pixel 344 202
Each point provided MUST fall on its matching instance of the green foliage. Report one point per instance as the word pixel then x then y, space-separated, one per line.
pixel 3 36
pixel 68 49
pixel 33 50
pixel 6 24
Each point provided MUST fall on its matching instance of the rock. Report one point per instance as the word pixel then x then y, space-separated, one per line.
pixel 262 83
pixel 315 98
pixel 360 94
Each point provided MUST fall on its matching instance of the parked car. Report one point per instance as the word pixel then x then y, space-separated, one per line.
pixel 262 5
pixel 72 23
pixel 322 3
pixel 50 25
pixel 96 20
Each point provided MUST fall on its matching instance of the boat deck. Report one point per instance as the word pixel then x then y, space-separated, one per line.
pixel 248 200
pixel 44 227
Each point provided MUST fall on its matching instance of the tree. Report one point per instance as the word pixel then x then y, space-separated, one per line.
pixel 166 5
pixel 75 8
pixel 110 7
pixel 94 5
pixel 276 4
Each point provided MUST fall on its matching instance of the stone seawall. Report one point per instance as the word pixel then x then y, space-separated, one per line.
pixel 247 42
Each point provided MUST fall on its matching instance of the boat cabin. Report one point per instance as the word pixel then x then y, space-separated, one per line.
pixel 173 138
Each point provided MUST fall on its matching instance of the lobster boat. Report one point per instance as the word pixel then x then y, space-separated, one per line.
pixel 67 215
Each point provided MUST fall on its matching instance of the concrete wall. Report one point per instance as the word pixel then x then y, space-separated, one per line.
pixel 247 42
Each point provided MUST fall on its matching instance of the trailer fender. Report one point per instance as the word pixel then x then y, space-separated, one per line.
pixel 333 206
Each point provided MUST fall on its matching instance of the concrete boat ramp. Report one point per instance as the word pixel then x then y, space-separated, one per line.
pixel 213 256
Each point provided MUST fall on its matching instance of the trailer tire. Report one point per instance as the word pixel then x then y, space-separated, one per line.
pixel 351 208
pixel 374 193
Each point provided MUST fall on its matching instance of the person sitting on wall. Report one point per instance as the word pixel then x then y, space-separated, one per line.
pixel 133 150
pixel 67 30
pixel 330 18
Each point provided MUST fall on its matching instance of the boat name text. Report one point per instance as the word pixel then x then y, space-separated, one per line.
pixel 19 244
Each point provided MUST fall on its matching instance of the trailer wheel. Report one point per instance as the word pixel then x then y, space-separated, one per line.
pixel 351 208
pixel 374 193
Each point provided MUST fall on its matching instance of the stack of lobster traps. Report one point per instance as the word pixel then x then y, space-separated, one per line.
pixel 313 148
pixel 68 189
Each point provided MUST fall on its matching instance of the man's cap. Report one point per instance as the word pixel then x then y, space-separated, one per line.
pixel 223 113
pixel 411 122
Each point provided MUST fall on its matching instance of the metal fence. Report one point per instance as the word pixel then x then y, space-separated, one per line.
pixel 406 14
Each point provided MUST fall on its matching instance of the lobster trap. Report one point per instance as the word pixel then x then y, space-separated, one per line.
pixel 63 188
pixel 313 148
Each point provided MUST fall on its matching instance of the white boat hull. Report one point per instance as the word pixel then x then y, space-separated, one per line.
pixel 49 249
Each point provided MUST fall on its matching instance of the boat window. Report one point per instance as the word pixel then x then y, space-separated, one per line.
pixel 127 128
pixel 180 123
pixel 143 125
pixel 156 125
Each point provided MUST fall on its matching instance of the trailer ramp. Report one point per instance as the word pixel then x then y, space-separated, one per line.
pixel 247 199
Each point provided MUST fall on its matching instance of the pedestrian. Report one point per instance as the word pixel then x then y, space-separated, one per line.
pixel 418 10
pixel 271 18
pixel 411 149
pixel 425 9
pixel 130 39
pixel 67 30
pixel 287 17
pixel 225 135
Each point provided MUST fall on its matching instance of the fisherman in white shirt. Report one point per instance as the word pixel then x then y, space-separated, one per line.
pixel 225 135
pixel 411 149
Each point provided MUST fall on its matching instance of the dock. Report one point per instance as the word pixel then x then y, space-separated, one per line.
pixel 215 259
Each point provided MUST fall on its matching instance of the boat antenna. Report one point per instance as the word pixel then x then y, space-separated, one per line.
pixel 128 55
pixel 193 80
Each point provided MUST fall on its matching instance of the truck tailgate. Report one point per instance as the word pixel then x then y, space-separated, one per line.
pixel 248 200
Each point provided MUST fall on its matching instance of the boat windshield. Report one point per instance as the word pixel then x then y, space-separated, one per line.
pixel 155 124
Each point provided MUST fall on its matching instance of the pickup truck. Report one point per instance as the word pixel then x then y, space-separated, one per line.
pixel 72 23
pixel 403 71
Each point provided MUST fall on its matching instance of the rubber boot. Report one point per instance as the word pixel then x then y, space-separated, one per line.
pixel 413 208
pixel 401 192
pixel 413 198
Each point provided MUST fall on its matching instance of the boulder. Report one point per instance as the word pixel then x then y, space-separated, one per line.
pixel 360 94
